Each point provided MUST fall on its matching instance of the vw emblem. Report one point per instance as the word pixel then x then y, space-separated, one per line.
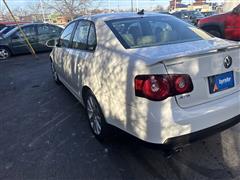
pixel 227 62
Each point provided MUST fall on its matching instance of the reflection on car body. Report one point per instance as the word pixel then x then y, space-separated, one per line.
pixel 149 75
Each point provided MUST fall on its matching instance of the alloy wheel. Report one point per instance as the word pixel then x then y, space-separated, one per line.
pixel 94 115
pixel 4 54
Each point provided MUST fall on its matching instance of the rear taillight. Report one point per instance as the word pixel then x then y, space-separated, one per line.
pixel 160 87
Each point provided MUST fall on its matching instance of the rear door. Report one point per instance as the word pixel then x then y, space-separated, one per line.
pixel 61 52
pixel 83 46
pixel 18 43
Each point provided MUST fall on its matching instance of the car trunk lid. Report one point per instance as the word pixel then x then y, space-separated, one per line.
pixel 205 65
pixel 211 78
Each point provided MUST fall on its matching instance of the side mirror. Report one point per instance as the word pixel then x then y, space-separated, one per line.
pixel 51 43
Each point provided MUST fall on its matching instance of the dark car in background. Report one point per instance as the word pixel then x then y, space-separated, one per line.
pixel 209 13
pixel 13 42
pixel 225 26
pixel 189 16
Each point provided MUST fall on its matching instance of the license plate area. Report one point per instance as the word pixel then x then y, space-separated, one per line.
pixel 221 82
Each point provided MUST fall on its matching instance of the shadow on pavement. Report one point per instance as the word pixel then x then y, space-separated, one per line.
pixel 44 134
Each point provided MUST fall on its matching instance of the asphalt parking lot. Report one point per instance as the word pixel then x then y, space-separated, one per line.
pixel 44 134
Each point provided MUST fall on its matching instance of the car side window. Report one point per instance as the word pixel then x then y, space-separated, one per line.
pixel 55 29
pixel 81 35
pixel 43 29
pixel 92 38
pixel 29 31
pixel 66 35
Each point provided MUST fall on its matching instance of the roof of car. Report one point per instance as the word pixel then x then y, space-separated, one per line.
pixel 36 23
pixel 112 16
pixel 26 25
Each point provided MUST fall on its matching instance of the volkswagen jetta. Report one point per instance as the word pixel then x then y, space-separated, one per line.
pixel 151 75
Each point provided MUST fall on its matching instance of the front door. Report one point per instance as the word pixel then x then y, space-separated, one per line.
pixel 62 53
pixel 18 43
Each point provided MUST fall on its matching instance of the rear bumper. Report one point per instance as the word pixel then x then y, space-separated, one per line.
pixel 189 138
pixel 167 123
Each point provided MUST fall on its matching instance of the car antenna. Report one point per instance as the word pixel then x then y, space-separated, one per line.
pixel 141 12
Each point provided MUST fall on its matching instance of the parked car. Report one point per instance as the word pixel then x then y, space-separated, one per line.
pixel 13 43
pixel 152 75
pixel 189 16
pixel 209 13
pixel 225 26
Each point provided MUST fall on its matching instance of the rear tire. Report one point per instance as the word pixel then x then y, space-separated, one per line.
pixel 4 53
pixel 97 122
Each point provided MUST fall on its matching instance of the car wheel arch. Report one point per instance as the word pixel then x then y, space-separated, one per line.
pixel 86 89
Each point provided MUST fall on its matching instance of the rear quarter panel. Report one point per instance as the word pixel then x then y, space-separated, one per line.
pixel 110 75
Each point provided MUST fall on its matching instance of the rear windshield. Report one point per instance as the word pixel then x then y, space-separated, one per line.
pixel 154 31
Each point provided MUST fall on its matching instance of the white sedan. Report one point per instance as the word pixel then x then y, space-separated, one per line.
pixel 151 75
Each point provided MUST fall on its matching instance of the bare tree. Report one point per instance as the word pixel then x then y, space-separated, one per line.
pixel 32 12
pixel 68 8
pixel 34 8
pixel 20 12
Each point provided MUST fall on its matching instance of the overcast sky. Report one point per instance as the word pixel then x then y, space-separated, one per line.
pixel 114 4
